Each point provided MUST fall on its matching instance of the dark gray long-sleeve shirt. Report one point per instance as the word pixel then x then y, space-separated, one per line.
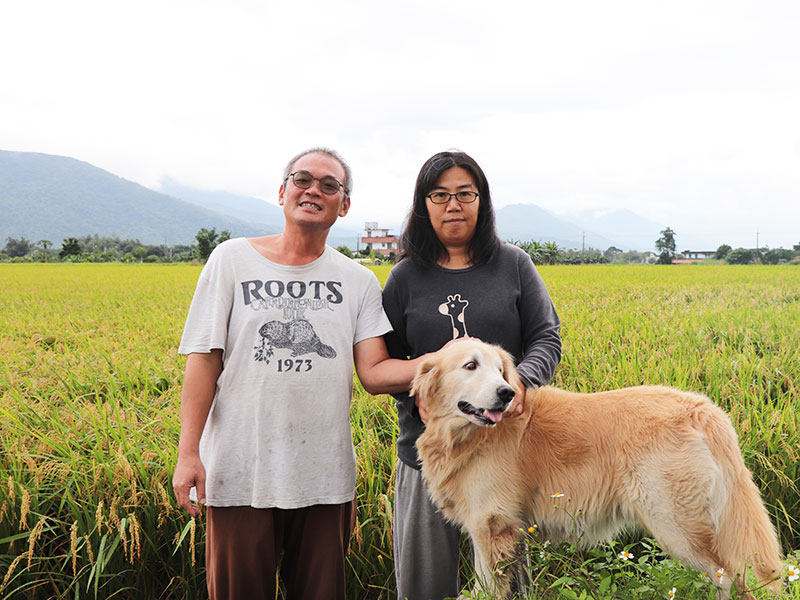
pixel 502 302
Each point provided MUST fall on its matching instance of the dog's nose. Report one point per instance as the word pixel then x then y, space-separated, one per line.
pixel 505 393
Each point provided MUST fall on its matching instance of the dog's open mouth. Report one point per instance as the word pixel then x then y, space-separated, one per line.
pixel 484 416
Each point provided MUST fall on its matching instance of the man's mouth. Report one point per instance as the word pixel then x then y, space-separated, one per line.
pixel 310 205
pixel 484 416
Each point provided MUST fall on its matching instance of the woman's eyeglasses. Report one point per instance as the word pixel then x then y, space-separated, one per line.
pixel 444 197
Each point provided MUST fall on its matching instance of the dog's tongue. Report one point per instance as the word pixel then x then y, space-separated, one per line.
pixel 493 415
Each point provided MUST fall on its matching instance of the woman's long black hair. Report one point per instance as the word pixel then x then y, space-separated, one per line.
pixel 419 241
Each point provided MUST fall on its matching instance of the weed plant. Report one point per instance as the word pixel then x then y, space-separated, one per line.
pixel 89 396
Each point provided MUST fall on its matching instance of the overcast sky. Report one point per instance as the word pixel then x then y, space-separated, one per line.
pixel 686 112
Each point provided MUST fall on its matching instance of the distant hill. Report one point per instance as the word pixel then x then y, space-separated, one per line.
pixel 526 222
pixel 54 197
pixel 630 230
pixel 626 228
pixel 246 208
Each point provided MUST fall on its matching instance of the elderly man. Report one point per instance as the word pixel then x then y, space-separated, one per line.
pixel 275 326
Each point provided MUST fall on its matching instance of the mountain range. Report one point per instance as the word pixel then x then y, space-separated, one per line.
pixel 53 197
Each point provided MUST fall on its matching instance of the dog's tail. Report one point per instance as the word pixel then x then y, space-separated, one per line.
pixel 747 536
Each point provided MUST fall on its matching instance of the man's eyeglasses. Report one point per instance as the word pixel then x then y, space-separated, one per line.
pixel 304 180
pixel 444 197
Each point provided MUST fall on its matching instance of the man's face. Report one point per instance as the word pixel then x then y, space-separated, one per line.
pixel 312 207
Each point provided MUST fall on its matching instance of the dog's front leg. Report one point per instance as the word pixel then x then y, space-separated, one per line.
pixel 495 547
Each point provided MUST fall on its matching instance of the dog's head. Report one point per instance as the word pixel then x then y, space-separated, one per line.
pixel 469 379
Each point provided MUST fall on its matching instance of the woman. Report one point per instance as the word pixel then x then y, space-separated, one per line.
pixel 455 279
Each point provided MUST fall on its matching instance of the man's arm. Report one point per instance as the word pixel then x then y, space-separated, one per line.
pixel 378 372
pixel 381 374
pixel 199 386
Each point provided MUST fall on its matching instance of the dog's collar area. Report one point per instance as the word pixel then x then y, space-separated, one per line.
pixel 484 416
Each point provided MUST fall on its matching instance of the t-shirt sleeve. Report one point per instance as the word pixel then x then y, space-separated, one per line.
pixel 372 321
pixel 541 341
pixel 394 301
pixel 207 322
pixel 393 305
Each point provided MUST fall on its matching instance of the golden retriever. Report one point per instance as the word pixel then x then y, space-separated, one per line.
pixel 655 457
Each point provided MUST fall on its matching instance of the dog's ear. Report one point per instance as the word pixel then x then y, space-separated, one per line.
pixel 510 371
pixel 425 379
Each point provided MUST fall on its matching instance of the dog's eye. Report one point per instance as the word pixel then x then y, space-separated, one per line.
pixel 471 365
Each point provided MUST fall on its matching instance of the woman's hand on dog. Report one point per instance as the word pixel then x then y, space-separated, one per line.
pixel 517 406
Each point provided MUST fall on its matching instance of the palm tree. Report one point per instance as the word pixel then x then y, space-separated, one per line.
pixel 45 244
pixel 550 252
pixel 533 249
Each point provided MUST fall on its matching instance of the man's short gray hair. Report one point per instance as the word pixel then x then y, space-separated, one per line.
pixel 348 174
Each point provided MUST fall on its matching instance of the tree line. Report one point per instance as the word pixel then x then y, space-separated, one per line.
pixel 665 246
pixel 94 248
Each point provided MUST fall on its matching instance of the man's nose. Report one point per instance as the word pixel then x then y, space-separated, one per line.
pixel 314 183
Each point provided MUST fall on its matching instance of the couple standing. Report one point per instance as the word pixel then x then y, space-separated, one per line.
pixel 274 327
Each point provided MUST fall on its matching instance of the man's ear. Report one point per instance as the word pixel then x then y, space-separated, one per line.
pixel 345 206
pixel 280 195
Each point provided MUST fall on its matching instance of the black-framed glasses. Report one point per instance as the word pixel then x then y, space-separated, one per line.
pixel 327 184
pixel 444 197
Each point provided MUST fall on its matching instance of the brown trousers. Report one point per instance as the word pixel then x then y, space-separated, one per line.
pixel 244 546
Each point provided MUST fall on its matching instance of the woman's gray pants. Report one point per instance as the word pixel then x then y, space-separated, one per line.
pixel 426 547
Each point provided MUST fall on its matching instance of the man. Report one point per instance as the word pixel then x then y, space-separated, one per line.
pixel 275 325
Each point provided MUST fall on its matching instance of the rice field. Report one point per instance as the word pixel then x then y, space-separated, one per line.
pixel 90 385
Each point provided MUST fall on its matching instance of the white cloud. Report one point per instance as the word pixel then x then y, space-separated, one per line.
pixel 684 112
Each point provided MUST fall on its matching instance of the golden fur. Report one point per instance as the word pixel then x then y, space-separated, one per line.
pixel 656 457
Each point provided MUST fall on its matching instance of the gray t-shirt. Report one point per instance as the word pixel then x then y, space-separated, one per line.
pixel 502 302
pixel 278 434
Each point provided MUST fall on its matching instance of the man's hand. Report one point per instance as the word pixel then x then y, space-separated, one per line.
pixel 189 473
pixel 459 339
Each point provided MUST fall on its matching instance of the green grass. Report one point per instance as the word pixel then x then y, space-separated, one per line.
pixel 89 396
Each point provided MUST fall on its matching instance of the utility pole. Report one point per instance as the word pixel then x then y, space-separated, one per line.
pixel 583 246
pixel 758 254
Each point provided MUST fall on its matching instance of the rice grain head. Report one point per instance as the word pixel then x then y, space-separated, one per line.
pixel 11 569
pixel 113 517
pixel 192 531
pixel 124 538
pixel 89 550
pixel 98 518
pixel 73 547
pixel 34 537
pixel 136 540
pixel 166 504
pixel 24 509
pixel 357 533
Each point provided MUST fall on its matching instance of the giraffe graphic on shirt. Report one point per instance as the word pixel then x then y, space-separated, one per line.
pixel 454 308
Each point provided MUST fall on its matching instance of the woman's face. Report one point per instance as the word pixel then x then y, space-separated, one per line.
pixel 454 222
